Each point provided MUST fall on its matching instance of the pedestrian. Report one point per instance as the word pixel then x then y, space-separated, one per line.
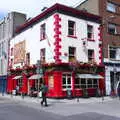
pixel 118 92
pixel 44 90
pixel 17 89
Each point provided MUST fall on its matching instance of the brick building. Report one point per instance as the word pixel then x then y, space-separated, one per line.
pixel 109 10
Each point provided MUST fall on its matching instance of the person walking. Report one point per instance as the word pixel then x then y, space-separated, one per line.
pixel 118 92
pixel 44 90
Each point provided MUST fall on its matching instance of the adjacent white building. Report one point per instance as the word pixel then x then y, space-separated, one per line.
pixel 7 30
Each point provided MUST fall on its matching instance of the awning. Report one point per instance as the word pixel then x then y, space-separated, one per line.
pixel 35 77
pixel 90 76
pixel 17 77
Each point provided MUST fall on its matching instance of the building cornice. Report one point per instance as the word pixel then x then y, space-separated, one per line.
pixel 60 9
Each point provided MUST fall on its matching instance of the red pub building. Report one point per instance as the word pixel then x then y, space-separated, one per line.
pixel 61 46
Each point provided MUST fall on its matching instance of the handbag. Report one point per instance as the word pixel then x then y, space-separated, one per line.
pixel 40 94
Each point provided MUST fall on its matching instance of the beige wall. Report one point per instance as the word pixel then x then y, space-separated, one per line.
pixel 88 5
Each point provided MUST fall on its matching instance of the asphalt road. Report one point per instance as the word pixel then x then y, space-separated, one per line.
pixel 16 110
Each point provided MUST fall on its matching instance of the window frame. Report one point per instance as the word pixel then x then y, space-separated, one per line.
pixel 67 86
pixel 114 53
pixel 71 29
pixel 72 57
pixel 86 85
pixel 92 57
pixel 112 26
pixel 91 32
pixel 111 7
pixel 43 55
pixel 43 31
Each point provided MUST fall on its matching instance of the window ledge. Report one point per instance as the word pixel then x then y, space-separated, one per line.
pixel 72 36
pixel 114 59
pixel 89 39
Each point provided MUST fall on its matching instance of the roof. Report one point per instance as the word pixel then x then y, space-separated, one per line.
pixel 60 9
pixel 80 3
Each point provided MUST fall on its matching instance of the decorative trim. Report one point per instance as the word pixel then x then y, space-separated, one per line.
pixel 60 9
pixel 57 33
pixel 100 46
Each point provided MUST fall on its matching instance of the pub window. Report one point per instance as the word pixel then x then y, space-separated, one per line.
pixel 89 31
pixel 42 55
pixel 77 83
pixel 66 81
pixel 72 54
pixel 89 83
pixel 81 83
pixel 71 28
pixel 43 31
pixel 90 55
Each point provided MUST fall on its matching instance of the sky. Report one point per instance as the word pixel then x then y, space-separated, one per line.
pixel 31 7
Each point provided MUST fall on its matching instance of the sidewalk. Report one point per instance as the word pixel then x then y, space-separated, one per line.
pixel 67 107
pixel 65 101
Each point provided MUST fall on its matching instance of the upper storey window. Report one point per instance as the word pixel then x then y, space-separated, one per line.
pixel 112 28
pixel 72 54
pixel 43 31
pixel 111 7
pixel 42 55
pixel 114 53
pixel 89 31
pixel 71 28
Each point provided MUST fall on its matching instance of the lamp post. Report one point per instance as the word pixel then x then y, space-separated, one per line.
pixel 114 70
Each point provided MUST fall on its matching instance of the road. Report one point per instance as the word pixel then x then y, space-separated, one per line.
pixel 19 110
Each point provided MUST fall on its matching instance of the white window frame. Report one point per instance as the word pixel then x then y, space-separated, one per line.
pixel 43 31
pixel 93 85
pixel 67 86
pixel 112 26
pixel 72 57
pixel 117 52
pixel 90 31
pixel 71 28
pixel 111 7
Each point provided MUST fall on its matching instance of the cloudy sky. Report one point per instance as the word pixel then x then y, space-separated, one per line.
pixel 30 7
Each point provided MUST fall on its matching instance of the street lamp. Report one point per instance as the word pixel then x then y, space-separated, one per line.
pixel 114 70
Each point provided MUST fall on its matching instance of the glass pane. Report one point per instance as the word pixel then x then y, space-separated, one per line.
pixel 95 81
pixel 83 86
pixel 90 86
pixel 69 81
pixel 64 86
pixel 111 7
pixel 64 81
pixel 95 86
pixel 89 81
pixel 83 81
